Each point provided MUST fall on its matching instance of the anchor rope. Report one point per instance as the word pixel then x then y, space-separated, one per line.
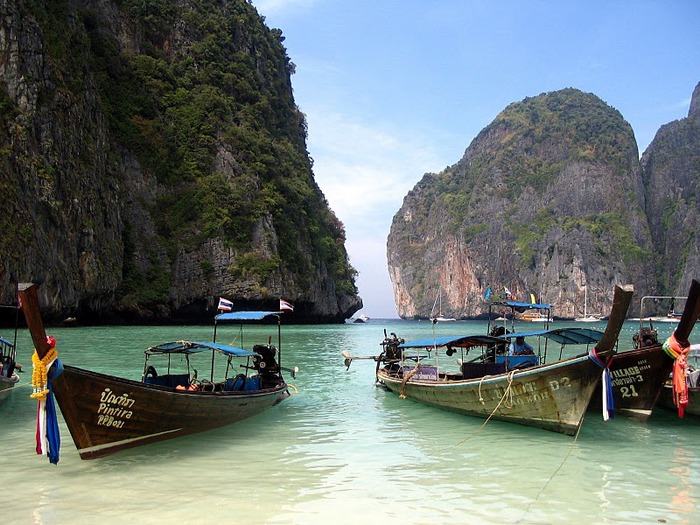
pixel 507 393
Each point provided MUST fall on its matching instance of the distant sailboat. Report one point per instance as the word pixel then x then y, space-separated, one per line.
pixel 439 317
pixel 587 318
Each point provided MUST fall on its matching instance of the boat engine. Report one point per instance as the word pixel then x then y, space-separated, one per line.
pixel 647 336
pixel 266 363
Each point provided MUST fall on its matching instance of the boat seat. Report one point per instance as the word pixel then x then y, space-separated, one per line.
pixel 517 361
pixel 169 380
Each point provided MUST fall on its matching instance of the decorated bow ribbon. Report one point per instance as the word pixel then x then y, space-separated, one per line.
pixel 606 384
pixel 679 352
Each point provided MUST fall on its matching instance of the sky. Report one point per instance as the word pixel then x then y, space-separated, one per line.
pixel 394 89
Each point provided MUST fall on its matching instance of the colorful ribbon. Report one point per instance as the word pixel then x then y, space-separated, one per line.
pixel 679 352
pixel 606 385
pixel 48 439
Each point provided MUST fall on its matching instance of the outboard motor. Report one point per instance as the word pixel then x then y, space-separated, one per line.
pixel 266 363
pixel 497 349
pixel 391 347
pixel 647 336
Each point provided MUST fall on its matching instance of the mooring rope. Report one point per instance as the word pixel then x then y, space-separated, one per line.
pixel 405 380
pixel 508 393
pixel 556 471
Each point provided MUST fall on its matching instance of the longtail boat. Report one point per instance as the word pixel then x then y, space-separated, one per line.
pixel 8 363
pixel 8 376
pixel 508 388
pixel 107 414
pixel 669 398
pixel 639 375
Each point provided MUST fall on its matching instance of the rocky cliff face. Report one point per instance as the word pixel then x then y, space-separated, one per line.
pixel 671 171
pixel 548 199
pixel 153 159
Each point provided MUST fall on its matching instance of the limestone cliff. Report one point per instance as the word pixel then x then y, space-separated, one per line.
pixel 548 199
pixel 153 159
pixel 671 170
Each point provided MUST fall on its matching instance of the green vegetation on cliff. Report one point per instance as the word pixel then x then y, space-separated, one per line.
pixel 211 76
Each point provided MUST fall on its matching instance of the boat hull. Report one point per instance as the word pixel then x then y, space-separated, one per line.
pixel 6 385
pixel 107 414
pixel 551 397
pixel 693 406
pixel 638 378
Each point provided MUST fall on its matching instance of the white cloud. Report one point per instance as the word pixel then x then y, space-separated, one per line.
pixel 365 170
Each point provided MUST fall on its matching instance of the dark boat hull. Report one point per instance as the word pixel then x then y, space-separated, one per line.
pixel 693 406
pixel 551 397
pixel 107 414
pixel 6 385
pixel 638 377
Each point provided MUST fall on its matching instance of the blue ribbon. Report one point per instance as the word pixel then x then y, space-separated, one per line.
pixel 606 384
pixel 53 435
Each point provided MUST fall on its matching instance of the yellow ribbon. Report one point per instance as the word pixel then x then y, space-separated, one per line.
pixel 40 374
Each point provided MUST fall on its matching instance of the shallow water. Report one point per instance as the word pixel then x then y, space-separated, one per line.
pixel 343 451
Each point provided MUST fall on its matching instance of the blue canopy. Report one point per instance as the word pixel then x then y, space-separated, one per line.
pixel 192 347
pixel 517 305
pixel 563 336
pixel 244 316
pixel 463 341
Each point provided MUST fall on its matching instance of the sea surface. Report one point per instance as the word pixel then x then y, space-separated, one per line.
pixel 343 451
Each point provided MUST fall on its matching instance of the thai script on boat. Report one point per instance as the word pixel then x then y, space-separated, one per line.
pixel 113 410
pixel 629 375
pixel 528 393
pixel 424 373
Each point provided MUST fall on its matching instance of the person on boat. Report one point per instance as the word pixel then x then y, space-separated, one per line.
pixel 520 347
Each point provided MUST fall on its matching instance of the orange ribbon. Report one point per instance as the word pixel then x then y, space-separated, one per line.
pixel 679 353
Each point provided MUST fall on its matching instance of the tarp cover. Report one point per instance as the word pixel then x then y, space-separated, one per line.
pixel 563 336
pixel 244 316
pixel 525 306
pixel 462 341
pixel 191 347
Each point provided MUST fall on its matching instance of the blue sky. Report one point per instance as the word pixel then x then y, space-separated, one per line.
pixel 393 89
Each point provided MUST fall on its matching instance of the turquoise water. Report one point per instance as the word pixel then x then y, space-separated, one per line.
pixel 343 451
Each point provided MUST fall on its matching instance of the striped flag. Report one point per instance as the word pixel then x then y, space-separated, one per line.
pixel 225 305
pixel 284 305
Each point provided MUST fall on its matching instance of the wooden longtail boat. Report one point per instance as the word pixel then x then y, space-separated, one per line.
pixel 639 375
pixel 106 414
pixel 8 376
pixel 551 396
pixel 8 363
pixel 667 400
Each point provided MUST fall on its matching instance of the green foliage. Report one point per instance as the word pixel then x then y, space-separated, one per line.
pixel 228 86
pixel 254 266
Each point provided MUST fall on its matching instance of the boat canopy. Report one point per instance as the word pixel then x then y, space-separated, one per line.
pixel 462 341
pixel 193 347
pixel 563 336
pixel 521 307
pixel 245 316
